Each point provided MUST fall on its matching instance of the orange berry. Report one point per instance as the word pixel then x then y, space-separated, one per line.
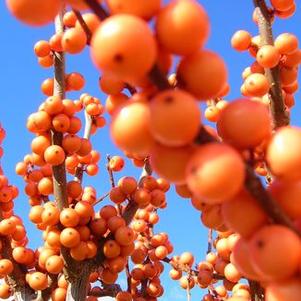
pixel 56 42
pixel 91 20
pixel 38 281
pixel 26 10
pixel 282 5
pixel 143 9
pixel 74 40
pixel 110 85
pixel 234 210
pixel 257 84
pixel 124 236
pixel 224 161
pixel 54 155
pixel 240 257
pixel 286 43
pixel 274 258
pixel 244 123
pixel 45 186
pixel 127 185
pixel 204 67
pixel 79 4
pixel 69 19
pixel 170 162
pixel 42 48
pixel 289 289
pixel 47 86
pixel 50 215
pixel 174 107
pixel 54 264
pixel 69 217
pixel 115 102
pixel 111 249
pixel 120 55
pixel 241 40
pixel 39 122
pixel 58 294
pixel 268 56
pixel 130 128
pixel 75 81
pixel 5 291
pixel 70 238
pixel 287 193
pixel 85 147
pixel 283 153
pixel 116 163
pixel 182 21
pixel 61 123
pixel 6 267
pixel 212 113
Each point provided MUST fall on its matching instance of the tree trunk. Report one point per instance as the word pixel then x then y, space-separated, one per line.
pixel 78 288
pixel 23 294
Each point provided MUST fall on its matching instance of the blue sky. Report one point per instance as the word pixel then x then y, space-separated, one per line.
pixel 20 82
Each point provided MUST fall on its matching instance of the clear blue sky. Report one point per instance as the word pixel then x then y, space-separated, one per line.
pixel 20 82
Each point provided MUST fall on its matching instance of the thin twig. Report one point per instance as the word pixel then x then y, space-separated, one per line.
pixel 188 294
pixel 210 240
pixel 84 25
pixel 87 133
pixel 101 198
pixel 110 172
pixel 279 113
pixel 97 9
pixel 128 276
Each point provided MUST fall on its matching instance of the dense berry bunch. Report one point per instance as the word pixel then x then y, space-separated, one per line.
pixel 156 75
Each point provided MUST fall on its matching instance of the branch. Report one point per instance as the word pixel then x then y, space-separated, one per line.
pixel 280 116
pixel 108 291
pixel 110 172
pixel 128 276
pixel 158 78
pixel 88 127
pixel 209 249
pixel 84 26
pixel 267 203
pixel 257 190
pixel 59 172
pixel 76 273
pixel 101 198
pixel 97 9
pixel 257 292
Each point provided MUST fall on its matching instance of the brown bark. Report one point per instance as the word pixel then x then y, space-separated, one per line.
pixel 279 113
